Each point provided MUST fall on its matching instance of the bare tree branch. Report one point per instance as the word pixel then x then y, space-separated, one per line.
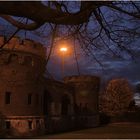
pixel 31 26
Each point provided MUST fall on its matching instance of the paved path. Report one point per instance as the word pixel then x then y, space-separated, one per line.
pixel 115 130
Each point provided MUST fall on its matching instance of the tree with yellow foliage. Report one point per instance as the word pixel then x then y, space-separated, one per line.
pixel 117 97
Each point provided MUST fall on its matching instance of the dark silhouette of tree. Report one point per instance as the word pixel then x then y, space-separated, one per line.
pixel 57 12
pixel 118 97
pixel 111 25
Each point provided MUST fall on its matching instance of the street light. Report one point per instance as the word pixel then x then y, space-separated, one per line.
pixel 63 50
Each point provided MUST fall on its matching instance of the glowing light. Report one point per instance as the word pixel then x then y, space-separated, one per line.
pixel 64 49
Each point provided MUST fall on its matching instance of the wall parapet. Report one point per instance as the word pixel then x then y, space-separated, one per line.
pixel 25 45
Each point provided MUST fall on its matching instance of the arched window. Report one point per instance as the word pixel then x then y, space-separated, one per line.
pixel 65 101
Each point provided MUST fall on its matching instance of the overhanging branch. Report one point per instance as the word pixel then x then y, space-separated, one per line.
pixel 31 26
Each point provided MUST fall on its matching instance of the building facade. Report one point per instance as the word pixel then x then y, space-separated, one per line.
pixel 32 104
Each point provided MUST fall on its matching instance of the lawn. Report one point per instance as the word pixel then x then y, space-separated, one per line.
pixel 114 130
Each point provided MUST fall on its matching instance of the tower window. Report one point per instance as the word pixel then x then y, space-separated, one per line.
pixel 37 99
pixel 7 97
pixel 29 99
pixel 30 124
pixel 8 124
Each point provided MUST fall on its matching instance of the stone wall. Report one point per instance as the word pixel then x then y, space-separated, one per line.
pixel 26 45
pixel 86 89
pixel 82 92
pixel 60 112
pixel 22 65
pixel 22 126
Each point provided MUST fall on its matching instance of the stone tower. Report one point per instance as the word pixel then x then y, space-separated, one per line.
pixel 22 65
pixel 86 89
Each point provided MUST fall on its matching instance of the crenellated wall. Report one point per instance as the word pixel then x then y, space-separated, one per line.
pixel 26 45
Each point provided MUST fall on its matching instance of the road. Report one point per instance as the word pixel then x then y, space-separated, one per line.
pixel 114 130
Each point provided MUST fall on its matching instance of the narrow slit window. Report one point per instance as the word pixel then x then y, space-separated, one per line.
pixel 8 124
pixel 37 99
pixel 7 97
pixel 29 99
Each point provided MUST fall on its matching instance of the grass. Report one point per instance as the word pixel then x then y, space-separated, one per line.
pixel 111 131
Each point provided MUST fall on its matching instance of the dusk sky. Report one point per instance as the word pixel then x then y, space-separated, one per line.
pixel 112 67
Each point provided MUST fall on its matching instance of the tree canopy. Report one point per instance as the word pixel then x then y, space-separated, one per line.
pixel 117 98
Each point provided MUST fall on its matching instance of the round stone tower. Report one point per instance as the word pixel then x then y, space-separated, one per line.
pixel 22 65
pixel 86 96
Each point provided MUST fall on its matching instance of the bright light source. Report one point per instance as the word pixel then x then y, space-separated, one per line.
pixel 63 49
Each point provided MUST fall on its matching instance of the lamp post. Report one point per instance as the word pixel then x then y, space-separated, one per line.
pixel 63 51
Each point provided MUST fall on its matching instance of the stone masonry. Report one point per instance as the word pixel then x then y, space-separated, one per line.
pixel 33 105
